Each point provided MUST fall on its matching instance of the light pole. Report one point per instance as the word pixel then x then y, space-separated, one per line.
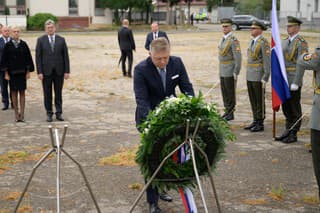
pixel 158 14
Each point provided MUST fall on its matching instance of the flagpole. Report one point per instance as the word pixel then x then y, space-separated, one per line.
pixel 274 125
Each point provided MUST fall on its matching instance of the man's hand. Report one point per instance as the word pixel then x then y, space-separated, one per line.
pixel 294 87
pixel 66 76
pixel 263 83
pixel 40 76
pixel 235 76
pixel 7 76
pixel 27 75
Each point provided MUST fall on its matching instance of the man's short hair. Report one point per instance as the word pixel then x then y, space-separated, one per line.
pixel 48 22
pixel 159 44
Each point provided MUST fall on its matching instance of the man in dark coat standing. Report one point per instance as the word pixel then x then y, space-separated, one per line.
pixel 53 67
pixel 155 33
pixel 3 82
pixel 126 43
pixel 156 78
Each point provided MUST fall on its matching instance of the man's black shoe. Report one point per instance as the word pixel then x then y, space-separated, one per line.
pixel 154 208
pixel 284 135
pixel 165 197
pixel 5 106
pixel 250 125
pixel 59 117
pixel 229 117
pixel 257 128
pixel 291 138
pixel 49 118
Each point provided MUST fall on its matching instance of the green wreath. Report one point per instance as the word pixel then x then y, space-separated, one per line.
pixel 164 130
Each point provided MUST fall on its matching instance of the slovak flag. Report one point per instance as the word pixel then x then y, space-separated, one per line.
pixel 279 81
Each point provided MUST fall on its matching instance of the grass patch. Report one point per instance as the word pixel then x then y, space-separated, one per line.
pixel 255 202
pixel 124 157
pixel 310 200
pixel 277 193
pixel 13 157
pixel 135 186
pixel 12 196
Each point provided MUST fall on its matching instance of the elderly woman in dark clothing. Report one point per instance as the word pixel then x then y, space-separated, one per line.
pixel 17 64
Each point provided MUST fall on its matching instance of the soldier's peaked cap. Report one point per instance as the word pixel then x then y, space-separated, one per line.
pixel 293 21
pixel 226 22
pixel 259 24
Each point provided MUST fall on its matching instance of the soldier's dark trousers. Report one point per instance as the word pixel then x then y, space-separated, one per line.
pixel 315 145
pixel 292 110
pixel 256 96
pixel 228 93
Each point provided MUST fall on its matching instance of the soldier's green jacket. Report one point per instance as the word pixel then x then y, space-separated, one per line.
pixel 311 62
pixel 291 51
pixel 258 60
pixel 229 57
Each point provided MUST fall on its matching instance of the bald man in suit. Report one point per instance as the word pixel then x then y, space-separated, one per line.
pixel 156 78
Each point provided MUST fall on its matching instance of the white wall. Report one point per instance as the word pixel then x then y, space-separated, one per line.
pixel 20 21
pixel 290 7
pixel 56 7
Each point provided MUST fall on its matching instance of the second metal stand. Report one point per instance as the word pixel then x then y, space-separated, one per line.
pixel 57 147
pixel 190 141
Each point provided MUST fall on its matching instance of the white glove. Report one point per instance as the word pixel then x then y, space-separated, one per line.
pixel 235 76
pixel 294 87
pixel 263 83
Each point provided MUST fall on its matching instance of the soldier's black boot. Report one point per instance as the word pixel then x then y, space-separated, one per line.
pixel 258 127
pixel 292 137
pixel 250 125
pixel 229 116
pixel 284 135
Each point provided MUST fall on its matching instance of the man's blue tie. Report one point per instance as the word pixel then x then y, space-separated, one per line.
pixel 163 78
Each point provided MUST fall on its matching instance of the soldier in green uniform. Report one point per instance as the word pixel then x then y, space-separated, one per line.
pixel 229 66
pixel 258 72
pixel 293 47
pixel 312 62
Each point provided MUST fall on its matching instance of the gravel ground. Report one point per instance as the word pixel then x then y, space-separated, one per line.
pixel 99 109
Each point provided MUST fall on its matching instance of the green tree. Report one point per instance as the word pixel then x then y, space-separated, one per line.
pixel 212 3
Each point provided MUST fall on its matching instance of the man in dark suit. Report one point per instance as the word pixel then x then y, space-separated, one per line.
pixel 3 82
pixel 156 78
pixel 155 33
pixel 126 43
pixel 53 67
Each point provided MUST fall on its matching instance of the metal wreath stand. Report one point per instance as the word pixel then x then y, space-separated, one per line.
pixel 57 148
pixel 190 141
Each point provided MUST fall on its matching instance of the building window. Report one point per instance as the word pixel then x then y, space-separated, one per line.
pixel 316 6
pixel 21 7
pixel 98 8
pixel 298 6
pixel 73 7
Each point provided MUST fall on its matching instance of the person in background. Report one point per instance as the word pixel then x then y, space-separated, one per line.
pixel 229 68
pixel 53 67
pixel 293 47
pixel 312 62
pixel 127 44
pixel 155 33
pixel 17 64
pixel 5 87
pixel 258 72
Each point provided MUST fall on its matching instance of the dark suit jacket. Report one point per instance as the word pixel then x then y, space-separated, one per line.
pixel 2 44
pixel 47 60
pixel 150 38
pixel 148 88
pixel 125 39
